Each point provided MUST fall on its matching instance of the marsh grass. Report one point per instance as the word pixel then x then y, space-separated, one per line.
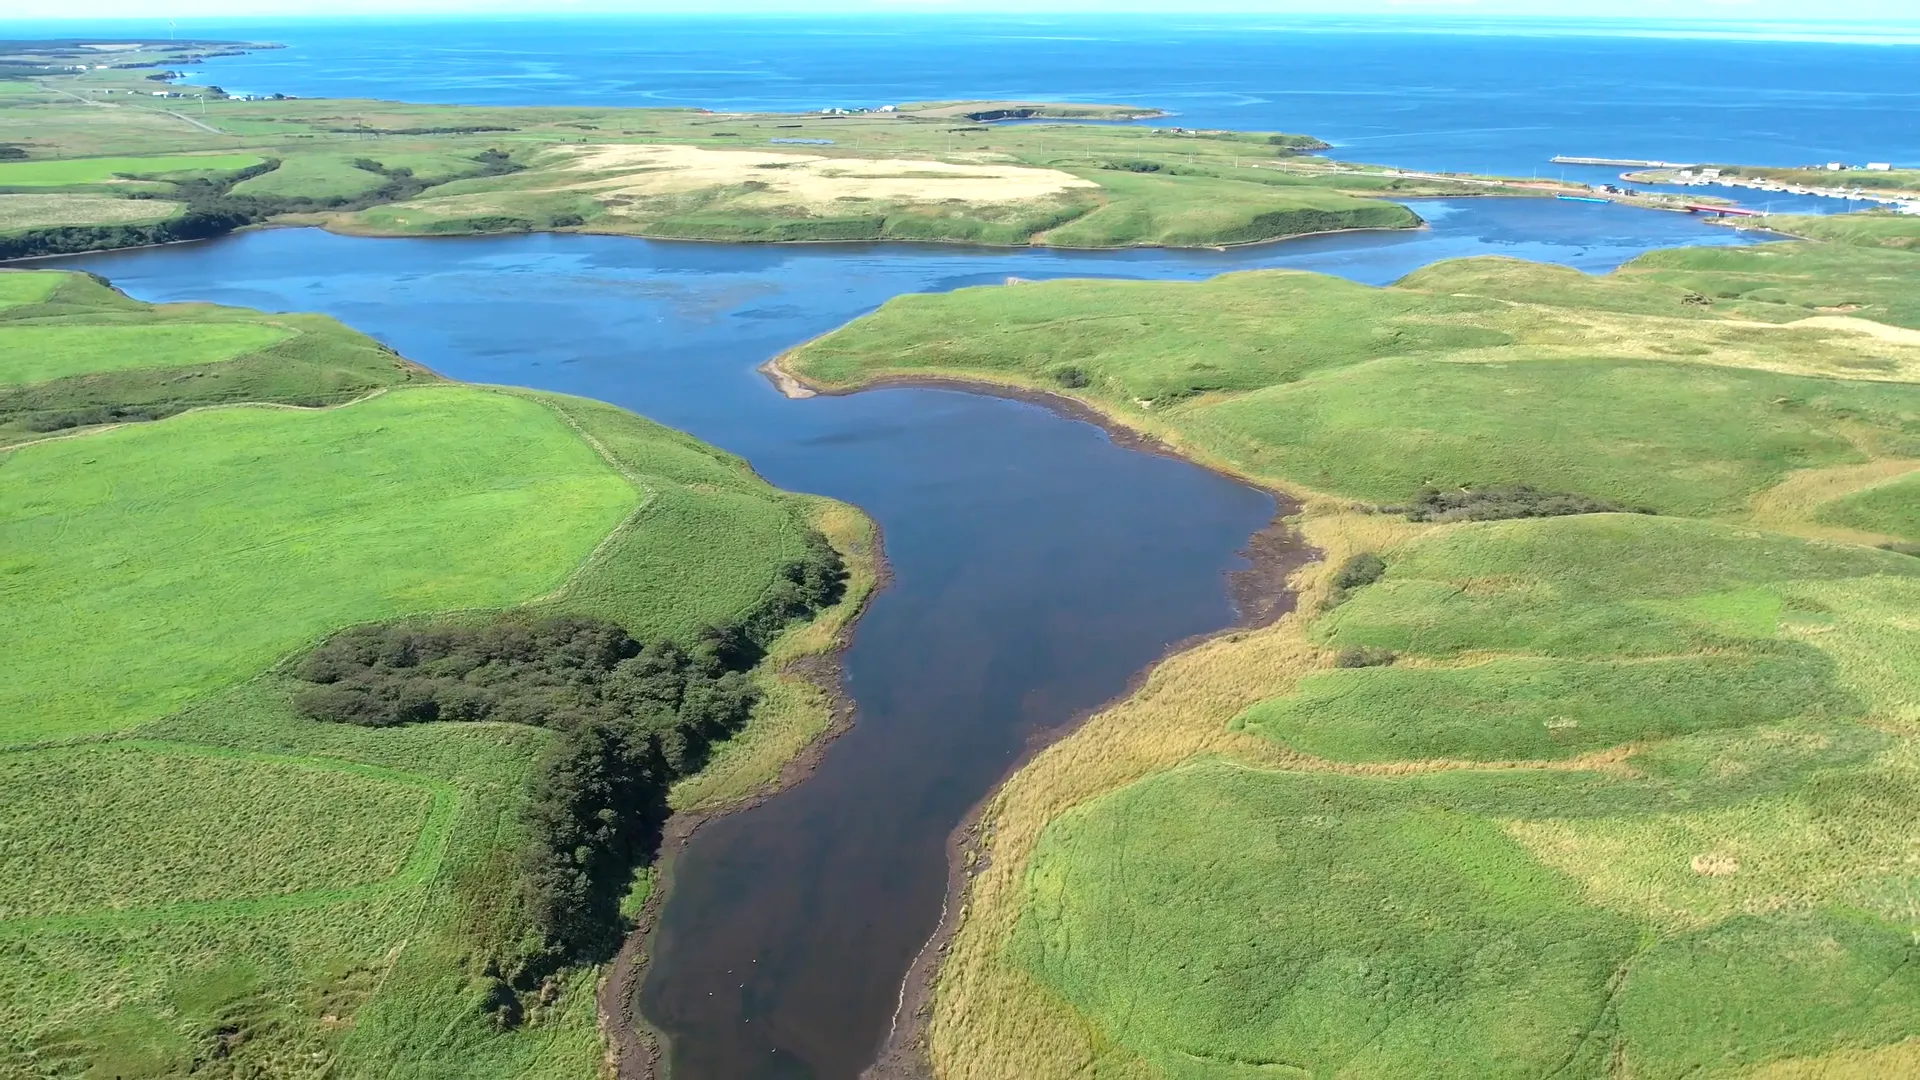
pixel 20 287
pixel 266 843
pixel 1697 728
pixel 1054 967
pixel 880 177
pixel 1871 228
pixel 1539 708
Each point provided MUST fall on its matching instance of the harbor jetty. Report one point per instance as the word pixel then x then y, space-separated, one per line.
pixel 1625 163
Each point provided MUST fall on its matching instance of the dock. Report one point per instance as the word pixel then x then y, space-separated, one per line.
pixel 1626 163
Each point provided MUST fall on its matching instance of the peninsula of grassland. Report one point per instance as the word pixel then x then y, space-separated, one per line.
pixel 1593 749
pixel 342 703
pixel 92 159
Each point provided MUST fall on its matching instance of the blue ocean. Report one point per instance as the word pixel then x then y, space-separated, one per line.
pixel 1473 95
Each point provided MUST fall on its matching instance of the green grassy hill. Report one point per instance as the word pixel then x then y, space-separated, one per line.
pixel 79 354
pixel 1868 228
pixel 1687 383
pixel 1530 786
pixel 108 170
pixel 204 874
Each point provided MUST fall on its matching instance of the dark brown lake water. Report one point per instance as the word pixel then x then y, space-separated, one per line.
pixel 1037 565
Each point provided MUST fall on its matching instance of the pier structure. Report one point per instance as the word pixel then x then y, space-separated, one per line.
pixel 1625 163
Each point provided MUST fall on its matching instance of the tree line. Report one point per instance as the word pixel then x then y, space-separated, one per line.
pixel 630 718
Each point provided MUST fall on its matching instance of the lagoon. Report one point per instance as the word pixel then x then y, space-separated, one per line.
pixel 1037 564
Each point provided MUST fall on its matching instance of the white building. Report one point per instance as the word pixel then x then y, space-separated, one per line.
pixel 1879 166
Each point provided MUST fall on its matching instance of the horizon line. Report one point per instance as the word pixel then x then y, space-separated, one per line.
pixel 944 11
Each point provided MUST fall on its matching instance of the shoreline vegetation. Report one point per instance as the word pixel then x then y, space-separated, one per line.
pixel 1467 614
pixel 986 173
pixel 79 145
pixel 1521 783
pixel 445 780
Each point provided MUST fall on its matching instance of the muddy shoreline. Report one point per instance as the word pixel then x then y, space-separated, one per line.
pixel 634 1051
pixel 1261 595
pixel 1060 404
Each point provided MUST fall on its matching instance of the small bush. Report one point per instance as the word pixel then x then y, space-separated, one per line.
pixel 1363 569
pixel 1070 377
pixel 1498 503
pixel 1359 656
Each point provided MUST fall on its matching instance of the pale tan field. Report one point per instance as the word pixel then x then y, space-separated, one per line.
pixel 31 211
pixel 1791 505
pixel 805 179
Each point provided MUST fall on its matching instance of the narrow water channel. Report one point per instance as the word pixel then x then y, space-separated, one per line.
pixel 1037 565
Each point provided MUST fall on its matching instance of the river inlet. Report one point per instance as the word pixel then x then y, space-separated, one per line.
pixel 1037 565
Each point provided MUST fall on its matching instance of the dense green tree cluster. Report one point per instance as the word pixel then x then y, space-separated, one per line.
pixel 631 718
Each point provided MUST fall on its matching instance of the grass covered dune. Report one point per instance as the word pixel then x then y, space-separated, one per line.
pixel 566 615
pixel 1591 748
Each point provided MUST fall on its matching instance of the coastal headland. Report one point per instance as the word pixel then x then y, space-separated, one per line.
pixel 81 145
pixel 1482 752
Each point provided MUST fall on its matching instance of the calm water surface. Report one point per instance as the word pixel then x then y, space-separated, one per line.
pixel 1037 565
pixel 1483 95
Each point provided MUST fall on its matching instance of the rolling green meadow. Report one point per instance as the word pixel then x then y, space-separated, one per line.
pixel 1736 371
pixel 79 354
pixel 1627 793
pixel 202 877
pixel 1869 229
pixel 1613 772
pixel 116 170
